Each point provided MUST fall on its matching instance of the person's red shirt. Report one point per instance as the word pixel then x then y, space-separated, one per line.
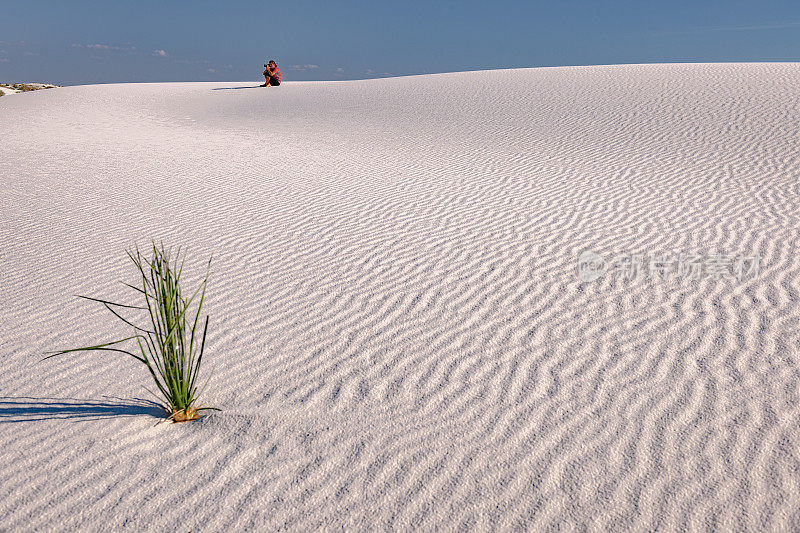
pixel 276 73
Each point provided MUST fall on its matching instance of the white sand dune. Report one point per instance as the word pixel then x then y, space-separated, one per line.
pixel 400 336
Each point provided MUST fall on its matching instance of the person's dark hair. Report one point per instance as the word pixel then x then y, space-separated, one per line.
pixel 272 61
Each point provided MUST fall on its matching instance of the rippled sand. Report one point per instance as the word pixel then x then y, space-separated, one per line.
pixel 398 328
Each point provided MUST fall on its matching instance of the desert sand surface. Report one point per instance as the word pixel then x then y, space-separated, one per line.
pixel 399 333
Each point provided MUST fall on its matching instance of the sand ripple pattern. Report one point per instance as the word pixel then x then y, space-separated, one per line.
pixel 400 336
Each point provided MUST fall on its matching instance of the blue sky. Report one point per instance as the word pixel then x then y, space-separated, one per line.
pixel 73 42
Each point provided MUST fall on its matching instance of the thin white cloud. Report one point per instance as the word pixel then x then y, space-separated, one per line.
pixel 4 60
pixel 339 70
pixel 101 50
pixel 102 46
pixel 303 67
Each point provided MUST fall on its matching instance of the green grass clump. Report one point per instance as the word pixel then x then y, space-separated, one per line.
pixel 172 346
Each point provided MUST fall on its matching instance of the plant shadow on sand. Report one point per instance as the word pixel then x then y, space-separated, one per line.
pixel 27 409
pixel 235 88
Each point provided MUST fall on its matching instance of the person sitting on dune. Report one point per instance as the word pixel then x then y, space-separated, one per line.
pixel 272 74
